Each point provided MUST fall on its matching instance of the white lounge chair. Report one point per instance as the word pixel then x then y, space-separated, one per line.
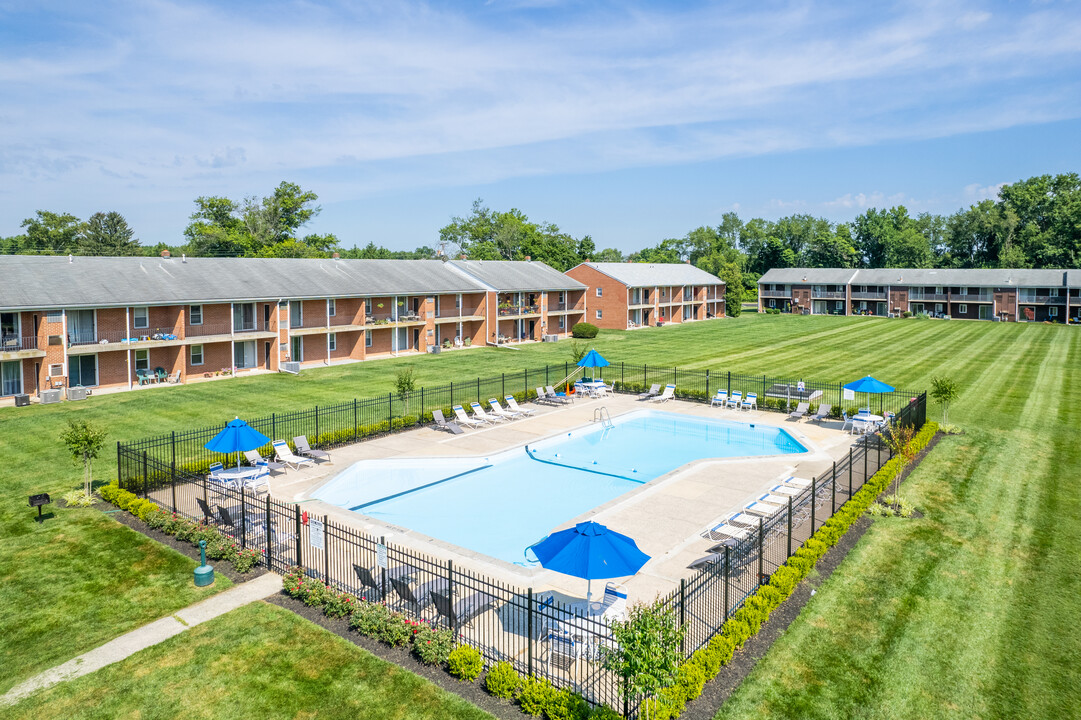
pixel 800 411
pixel 499 411
pixel 750 402
pixel 654 390
pixel 285 455
pixel 459 413
pixel 735 400
pixel 764 509
pixel 822 414
pixel 254 458
pixel 797 482
pixel 724 529
pixel 668 394
pixel 786 490
pixel 721 398
pixel 479 414
pixel 615 603
pixel 442 423
pixel 305 450
pixel 513 405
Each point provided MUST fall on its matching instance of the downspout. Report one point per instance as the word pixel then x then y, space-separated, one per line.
pixel 64 344
pixel 127 334
pixel 232 341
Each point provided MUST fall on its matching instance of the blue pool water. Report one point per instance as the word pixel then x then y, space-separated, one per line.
pixel 502 504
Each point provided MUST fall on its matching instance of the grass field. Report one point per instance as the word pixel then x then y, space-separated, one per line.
pixel 970 611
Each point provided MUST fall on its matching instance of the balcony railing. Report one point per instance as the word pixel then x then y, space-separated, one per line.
pixel 107 338
pixel 1042 299
pixel 775 294
pixel 924 297
pixel 387 318
pixel 518 310
pixel 977 297
pixel 204 330
pixel 869 296
pixel 455 312
pixel 14 343
pixel 828 294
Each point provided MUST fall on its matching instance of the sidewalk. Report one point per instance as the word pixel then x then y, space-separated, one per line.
pixel 148 635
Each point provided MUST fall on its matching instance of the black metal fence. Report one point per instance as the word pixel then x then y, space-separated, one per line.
pixel 534 631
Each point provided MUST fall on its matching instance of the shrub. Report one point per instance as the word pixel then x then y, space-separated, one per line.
pixel 584 330
pixel 536 695
pixel 503 681
pixel 157 519
pixel 298 585
pixel 397 630
pixel 465 663
pixel 906 314
pixel 338 604
pixel 603 712
pixel 369 619
pixel 432 646
pixel 567 705
pixel 835 411
pixel 78 498
pixel 244 560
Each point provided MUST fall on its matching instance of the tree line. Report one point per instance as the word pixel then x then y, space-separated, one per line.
pixel 1033 223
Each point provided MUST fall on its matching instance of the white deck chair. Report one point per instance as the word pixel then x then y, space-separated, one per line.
pixel 735 400
pixel 724 529
pixel 498 409
pixel 555 396
pixel 654 390
pixel 786 490
pixel 668 394
pixel 479 414
pixel 304 449
pixel 750 402
pixel 764 509
pixel 285 455
pixel 847 421
pixel 615 603
pixel 513 405
pixel 797 482
pixel 459 412
pixel 542 397
pixel 254 458
pixel 721 398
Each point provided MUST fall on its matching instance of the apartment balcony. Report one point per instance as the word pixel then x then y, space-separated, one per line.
pixel 14 347
pixel 459 314
pixel 518 310
pixel 402 319
pixel 973 298
pixel 828 294
pixel 226 330
pixel 775 293
pixel 85 343
pixel 927 297
pixel 868 295
pixel 1042 299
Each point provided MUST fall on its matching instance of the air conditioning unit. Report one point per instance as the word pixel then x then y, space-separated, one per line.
pixel 22 400
pixel 76 393
pixel 50 396
pixel 549 338
pixel 291 367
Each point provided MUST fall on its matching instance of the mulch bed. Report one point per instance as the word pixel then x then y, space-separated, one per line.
pixel 221 567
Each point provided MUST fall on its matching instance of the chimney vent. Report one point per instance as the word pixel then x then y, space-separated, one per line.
pixel 165 254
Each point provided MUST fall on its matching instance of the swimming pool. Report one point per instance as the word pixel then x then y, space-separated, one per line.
pixel 501 504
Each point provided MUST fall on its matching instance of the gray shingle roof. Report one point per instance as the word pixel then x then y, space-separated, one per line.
pixel 970 277
pixel 656 274
pixel 54 282
pixel 517 275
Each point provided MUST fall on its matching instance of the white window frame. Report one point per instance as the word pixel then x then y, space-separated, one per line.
pixel 773 303
pixel 193 312
pixel 192 355
pixel 600 292
pixel 56 370
pixel 135 317
pixel 332 307
pixel 562 322
pixel 367 338
pixel 332 341
pixel 600 314
pixel 1052 311
pixel 962 309
pixel 54 316
pixel 145 358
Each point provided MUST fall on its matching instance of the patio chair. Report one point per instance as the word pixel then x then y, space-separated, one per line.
pixel 668 394
pixel 499 411
pixel 822 414
pixel 306 450
pixel 479 414
pixel 208 514
pixel 442 423
pixel 285 455
pixel 847 421
pixel 785 490
pixel 254 458
pixel 161 375
pixel 764 509
pixel 750 402
pixel 373 590
pixel 799 412
pixel 735 400
pixel 721 398
pixel 513 405
pixel 563 650
pixel 797 482
pixel 143 376
pixel 463 612
pixel 615 603
pixel 459 412
pixel 654 390
pixel 559 397
pixel 421 598
pixel 174 378
pixel 251 527
pixel 724 529
pixel 542 397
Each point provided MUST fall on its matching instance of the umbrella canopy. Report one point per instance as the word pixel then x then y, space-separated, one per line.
pixel 593 359
pixel 869 384
pixel 591 551
pixel 237 437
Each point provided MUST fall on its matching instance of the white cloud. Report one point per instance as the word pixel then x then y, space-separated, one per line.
pixel 862 201
pixel 975 192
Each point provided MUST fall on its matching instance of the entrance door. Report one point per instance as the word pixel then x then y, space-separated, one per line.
pixel 297 348
pixel 244 354
pixel 266 317
pixel 416 338
pixel 83 370
pixel 11 378
pixel 532 328
pixel 266 355
pixel 985 312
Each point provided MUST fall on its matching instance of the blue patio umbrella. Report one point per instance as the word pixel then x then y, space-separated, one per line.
pixel 591 551
pixel 593 359
pixel 868 384
pixel 237 437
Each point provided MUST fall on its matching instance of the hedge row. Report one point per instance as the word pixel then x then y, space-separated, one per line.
pixel 704 664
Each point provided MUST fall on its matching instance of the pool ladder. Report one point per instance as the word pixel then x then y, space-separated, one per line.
pixel 601 415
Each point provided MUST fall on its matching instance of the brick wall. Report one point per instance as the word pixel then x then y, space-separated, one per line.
pixel 613 300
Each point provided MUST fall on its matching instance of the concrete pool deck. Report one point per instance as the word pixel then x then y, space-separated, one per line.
pixel 665 516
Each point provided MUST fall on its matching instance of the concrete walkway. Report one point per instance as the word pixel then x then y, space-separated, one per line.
pixel 149 635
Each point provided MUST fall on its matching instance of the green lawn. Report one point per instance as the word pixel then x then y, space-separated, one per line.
pixel 259 661
pixel 971 610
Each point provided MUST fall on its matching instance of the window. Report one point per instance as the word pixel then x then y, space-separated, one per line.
pixel 773 303
pixel 142 359
pixel 243 317
pixel 1052 311
pixel 56 370
pixel 562 322
pixel 332 307
pixel 195 315
pixel 600 293
pixel 296 314
pixel 54 316
pixel 367 338
pixel 141 317
pixel 599 315
pixel 332 342
pixel 962 309
pixel 562 297
pixel 9 325
pixel 196 354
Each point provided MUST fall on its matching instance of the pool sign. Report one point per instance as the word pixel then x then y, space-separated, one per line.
pixel 849 394
pixel 315 534
pixel 381 555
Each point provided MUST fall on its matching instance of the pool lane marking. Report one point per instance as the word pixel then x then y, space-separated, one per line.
pixel 419 487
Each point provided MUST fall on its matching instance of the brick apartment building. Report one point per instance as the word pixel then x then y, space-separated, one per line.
pixel 975 294
pixel 106 322
pixel 631 295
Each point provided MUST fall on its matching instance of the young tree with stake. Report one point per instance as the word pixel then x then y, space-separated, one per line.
pixel 83 440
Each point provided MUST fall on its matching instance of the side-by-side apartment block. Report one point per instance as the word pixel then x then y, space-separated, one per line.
pixel 994 294
pixel 67 322
pixel 631 295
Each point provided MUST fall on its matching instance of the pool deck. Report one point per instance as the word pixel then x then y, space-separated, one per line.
pixel 666 516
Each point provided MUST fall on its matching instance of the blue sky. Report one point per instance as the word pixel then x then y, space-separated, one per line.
pixel 630 122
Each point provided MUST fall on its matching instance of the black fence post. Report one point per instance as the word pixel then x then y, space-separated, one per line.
pixel 420 413
pixel 317 425
pixel 269 545
pixel 727 565
pixel 849 473
pixel 790 525
pixel 274 425
pixel 707 383
pixel 243 517
pixel 390 411
pixel 864 465
pixel 833 499
pixel 761 547
pixel 645 374
pixel 119 472
pixel 683 614
pixel 529 630
pixel 503 384
pixel 297 508
pixel 356 425
pixel 450 591
pixel 173 446
pixel 172 479
pixel 146 474
pixel 383 574
pixel 478 389
pixel 814 498
pixel 729 385
pixel 326 548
